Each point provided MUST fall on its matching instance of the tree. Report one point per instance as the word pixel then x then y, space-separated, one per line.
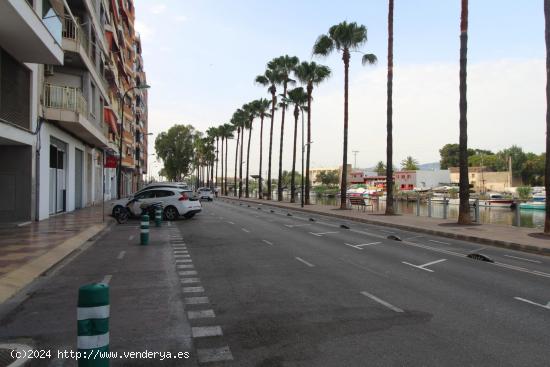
pixel 409 164
pixel 389 116
pixel 251 111
pixel 272 78
pixel 547 161
pixel 344 37
pixel 328 178
pixel 262 110
pixel 285 66
pixel 298 98
pixel 380 168
pixel 310 74
pixel 464 184
pixel 449 156
pixel 237 122
pixel 226 133
pixel 212 134
pixel 175 148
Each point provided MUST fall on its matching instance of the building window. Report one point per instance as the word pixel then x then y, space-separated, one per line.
pixel 92 100
pixel 15 92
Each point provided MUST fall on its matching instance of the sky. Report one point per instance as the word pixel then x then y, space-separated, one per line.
pixel 201 58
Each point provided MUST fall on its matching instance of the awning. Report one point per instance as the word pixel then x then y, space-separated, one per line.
pixel 109 37
pixel 110 119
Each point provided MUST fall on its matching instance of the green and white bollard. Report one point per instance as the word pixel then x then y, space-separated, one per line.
pixel 144 229
pixel 158 217
pixel 93 325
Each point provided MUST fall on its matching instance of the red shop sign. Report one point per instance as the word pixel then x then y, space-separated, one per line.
pixel 110 162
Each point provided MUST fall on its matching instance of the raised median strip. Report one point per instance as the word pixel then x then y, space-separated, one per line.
pixel 492 237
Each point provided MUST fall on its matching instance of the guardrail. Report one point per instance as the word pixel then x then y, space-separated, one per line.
pixel 64 98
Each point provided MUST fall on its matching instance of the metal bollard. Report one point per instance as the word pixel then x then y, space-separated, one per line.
pixel 158 217
pixel 476 209
pixel 93 325
pixel 445 208
pixel 418 205
pixel 429 206
pixel 517 216
pixel 144 229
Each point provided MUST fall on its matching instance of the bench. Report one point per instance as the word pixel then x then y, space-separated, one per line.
pixel 359 203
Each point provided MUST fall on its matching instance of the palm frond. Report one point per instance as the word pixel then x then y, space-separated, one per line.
pixel 323 46
pixel 262 80
pixel 370 59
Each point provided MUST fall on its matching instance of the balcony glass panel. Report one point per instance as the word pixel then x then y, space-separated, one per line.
pixel 52 20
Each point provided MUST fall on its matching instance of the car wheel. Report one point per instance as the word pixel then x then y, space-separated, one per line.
pixel 189 215
pixel 116 210
pixel 171 213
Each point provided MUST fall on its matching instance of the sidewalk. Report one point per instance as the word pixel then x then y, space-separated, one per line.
pixel 28 251
pixel 521 239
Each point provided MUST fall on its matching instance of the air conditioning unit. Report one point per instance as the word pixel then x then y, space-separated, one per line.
pixel 48 70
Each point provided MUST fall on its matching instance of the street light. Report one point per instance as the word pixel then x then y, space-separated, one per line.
pixel 119 168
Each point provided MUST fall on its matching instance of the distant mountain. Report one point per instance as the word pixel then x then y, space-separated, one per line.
pixel 429 166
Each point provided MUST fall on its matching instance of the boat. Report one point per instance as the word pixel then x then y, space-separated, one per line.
pixel 533 205
pixel 497 200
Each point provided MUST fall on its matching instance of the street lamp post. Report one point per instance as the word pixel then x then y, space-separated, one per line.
pixel 119 168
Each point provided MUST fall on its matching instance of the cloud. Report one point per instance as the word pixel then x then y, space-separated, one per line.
pixel 145 31
pixel 158 8
pixel 180 18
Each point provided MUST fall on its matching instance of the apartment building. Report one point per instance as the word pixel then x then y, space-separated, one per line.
pixel 65 66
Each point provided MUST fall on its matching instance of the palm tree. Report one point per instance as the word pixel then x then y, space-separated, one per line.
pixel 236 122
pixel 226 133
pixel 547 164
pixel 251 111
pixel 262 110
pixel 464 184
pixel 389 116
pixel 239 119
pixel 344 37
pixel 286 66
pixel 298 98
pixel 409 164
pixel 211 133
pixel 310 74
pixel 271 78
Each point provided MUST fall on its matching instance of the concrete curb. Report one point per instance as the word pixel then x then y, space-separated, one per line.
pixel 14 281
pixel 482 240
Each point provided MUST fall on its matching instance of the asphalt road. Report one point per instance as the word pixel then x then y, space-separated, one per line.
pixel 288 291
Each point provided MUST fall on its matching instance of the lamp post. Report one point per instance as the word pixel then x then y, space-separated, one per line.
pixel 119 168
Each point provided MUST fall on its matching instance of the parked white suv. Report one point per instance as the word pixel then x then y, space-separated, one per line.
pixel 205 193
pixel 176 202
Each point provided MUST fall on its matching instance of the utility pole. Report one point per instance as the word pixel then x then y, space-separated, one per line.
pixel 355 157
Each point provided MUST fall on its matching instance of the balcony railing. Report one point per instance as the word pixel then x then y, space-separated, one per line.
pixel 74 32
pixel 64 98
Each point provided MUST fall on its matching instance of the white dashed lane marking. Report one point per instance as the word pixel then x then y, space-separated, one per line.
pixel 193 289
pixel 423 267
pixel 269 243
pixel 304 262
pixel 121 255
pixel 201 314
pixel 205 331
pixel 196 300
pixel 382 302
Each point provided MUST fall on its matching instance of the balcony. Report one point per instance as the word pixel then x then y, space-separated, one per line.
pixel 29 37
pixel 68 108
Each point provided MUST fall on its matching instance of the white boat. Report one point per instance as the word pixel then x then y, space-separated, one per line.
pixel 497 200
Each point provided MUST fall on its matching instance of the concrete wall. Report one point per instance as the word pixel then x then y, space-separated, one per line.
pixel 431 179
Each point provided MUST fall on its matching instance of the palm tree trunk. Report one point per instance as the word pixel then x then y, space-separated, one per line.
pixel 389 116
pixel 248 160
pixel 547 164
pixel 261 149
pixel 344 180
pixel 226 155
pixel 269 190
pixel 464 185
pixel 293 177
pixel 221 164
pixel 280 182
pixel 241 167
pixel 307 188
pixel 236 160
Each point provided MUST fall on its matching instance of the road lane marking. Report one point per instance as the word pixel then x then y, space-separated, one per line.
pixel 547 306
pixel 196 300
pixel 193 289
pixel 169 224
pixel 190 280
pixel 423 267
pixel 410 238
pixel 121 255
pixel 521 258
pixel 441 242
pixel 188 272
pixel 245 230
pixel 131 238
pixel 296 225
pixel 382 302
pixel 269 243
pixel 205 331
pixel 107 279
pixel 200 314
pixel 305 262
pixel 230 222
pixel 186 266
pixel 535 272
pixel 209 355
pixel 320 234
